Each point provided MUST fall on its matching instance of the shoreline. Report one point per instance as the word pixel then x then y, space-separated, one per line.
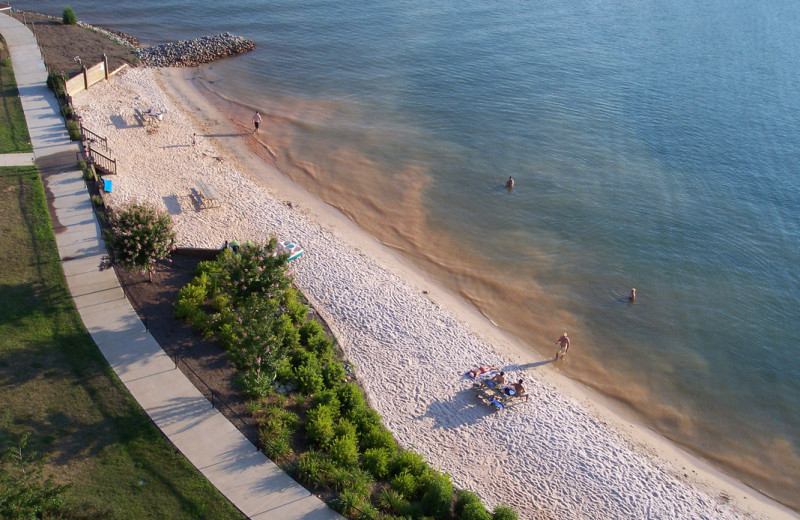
pixel 453 418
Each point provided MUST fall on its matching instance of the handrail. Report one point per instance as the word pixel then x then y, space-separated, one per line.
pixel 106 163
pixel 91 137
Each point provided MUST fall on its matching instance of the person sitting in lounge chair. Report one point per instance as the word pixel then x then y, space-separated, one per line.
pixel 497 381
pixel 516 389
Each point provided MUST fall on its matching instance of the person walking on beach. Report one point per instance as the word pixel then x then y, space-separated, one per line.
pixel 564 342
pixel 256 121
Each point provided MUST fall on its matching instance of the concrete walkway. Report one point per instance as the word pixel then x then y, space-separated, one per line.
pixel 251 481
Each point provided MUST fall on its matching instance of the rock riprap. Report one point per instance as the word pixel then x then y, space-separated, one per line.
pixel 188 53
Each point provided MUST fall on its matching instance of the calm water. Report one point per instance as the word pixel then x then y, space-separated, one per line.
pixel 653 145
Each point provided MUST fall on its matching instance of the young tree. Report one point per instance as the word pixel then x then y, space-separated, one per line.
pixel 68 16
pixel 140 235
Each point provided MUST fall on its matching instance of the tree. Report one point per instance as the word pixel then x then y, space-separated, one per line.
pixel 68 16
pixel 140 234
pixel 24 492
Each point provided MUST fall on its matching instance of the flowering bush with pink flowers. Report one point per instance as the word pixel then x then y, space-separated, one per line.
pixel 139 235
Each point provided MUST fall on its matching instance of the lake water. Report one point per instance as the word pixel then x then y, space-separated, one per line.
pixel 653 144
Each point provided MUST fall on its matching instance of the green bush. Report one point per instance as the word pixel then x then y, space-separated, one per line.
pixel 286 417
pixel 376 461
pixel 406 484
pixel 474 511
pixel 68 16
pixel 300 356
pixel 344 446
pixel 322 345
pixel 392 501
pixel 66 109
pixel 286 333
pixel 319 426
pixel 364 417
pixel 308 329
pixel 88 175
pixel 194 293
pixel 296 310
pixel 82 165
pixel 463 498
pixel 312 468
pixel 504 512
pixel 343 477
pixel 308 378
pixel 74 130
pixel 378 437
pixel 56 83
pixel 97 200
pixel 351 396
pixel 408 461
pixel 349 502
pixel 333 375
pixel 284 372
pixel 327 398
pixel 220 302
pixel 437 497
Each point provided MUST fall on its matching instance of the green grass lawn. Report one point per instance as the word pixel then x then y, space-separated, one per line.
pixel 55 384
pixel 14 137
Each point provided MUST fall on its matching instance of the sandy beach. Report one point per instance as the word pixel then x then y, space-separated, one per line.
pixel 565 454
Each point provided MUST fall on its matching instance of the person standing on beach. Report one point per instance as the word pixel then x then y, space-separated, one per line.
pixel 256 121
pixel 564 342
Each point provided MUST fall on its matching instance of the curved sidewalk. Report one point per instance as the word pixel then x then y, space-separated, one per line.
pixel 230 462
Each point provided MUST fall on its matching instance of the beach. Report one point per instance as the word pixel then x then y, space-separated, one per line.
pixel 564 454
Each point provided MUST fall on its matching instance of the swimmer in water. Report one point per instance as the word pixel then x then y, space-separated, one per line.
pixel 510 182
pixel 632 295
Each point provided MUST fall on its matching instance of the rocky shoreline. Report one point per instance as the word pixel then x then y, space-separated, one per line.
pixel 189 53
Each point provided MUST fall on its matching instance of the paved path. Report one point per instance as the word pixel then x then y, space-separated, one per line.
pixel 251 481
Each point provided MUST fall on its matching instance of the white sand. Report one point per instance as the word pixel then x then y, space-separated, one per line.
pixel 557 457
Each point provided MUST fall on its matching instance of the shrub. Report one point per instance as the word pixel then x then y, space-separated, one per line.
pixel 474 511
pixel 364 417
pixel 299 357
pixel 286 417
pixel 308 378
pixel 319 426
pixel 342 477
pixel 327 398
pixel 88 175
pixel 66 109
pixel 193 293
pixel 139 235
pixel 344 446
pixel 378 437
pixel 285 332
pixel 220 302
pixel 56 83
pixel 296 310
pixel 322 345
pixel 376 461
pixel 463 498
pixel 504 512
pixel 74 130
pixel 348 502
pixel 97 200
pixel 333 375
pixel 406 484
pixel 392 501
pixel 284 373
pixel 68 16
pixel 308 329
pixel 437 498
pixel 351 396
pixel 408 461
pixel 82 165
pixel 312 468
